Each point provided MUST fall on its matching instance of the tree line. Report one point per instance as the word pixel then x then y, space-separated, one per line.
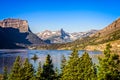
pixel 75 68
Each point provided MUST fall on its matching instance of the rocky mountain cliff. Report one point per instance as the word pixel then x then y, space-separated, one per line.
pixel 15 33
pixel 62 36
pixel 22 25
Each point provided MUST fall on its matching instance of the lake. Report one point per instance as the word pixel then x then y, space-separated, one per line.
pixel 7 57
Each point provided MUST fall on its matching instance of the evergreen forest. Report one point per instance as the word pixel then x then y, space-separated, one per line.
pixel 75 68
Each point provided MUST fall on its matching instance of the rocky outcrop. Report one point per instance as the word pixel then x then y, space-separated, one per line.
pixel 22 25
pixel 64 34
pixel 15 33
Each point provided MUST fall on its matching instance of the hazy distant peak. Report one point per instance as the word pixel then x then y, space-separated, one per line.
pixel 61 36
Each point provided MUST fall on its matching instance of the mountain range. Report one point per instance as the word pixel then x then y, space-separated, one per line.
pixel 62 36
pixel 97 41
pixel 15 33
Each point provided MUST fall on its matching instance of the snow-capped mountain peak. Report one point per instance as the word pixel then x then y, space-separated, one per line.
pixel 62 36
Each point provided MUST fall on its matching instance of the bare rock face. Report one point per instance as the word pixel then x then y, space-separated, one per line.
pixel 22 25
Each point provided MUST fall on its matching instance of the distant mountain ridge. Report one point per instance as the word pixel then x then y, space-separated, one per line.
pixel 62 36
pixel 15 33
pixel 97 41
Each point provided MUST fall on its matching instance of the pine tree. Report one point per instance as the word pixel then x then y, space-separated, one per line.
pixel 57 75
pixel 70 71
pixel 86 68
pixel 48 72
pixel 28 70
pixel 63 62
pixel 5 74
pixel 39 72
pixel 16 73
pixel 109 65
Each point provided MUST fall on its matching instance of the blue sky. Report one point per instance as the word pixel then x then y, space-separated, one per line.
pixel 71 15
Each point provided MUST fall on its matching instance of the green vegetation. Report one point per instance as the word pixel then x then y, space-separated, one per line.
pixel 34 57
pixel 5 74
pixel 16 72
pixel 48 72
pixel 109 66
pixel 39 72
pixel 75 68
pixel 57 74
pixel 21 72
pixel 86 68
pixel 28 71
pixel 71 68
pixel 63 63
pixel 79 68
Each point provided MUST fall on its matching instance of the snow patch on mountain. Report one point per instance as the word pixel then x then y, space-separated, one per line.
pixel 62 36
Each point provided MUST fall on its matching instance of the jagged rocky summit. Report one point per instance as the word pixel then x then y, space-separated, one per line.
pixel 15 33
pixel 62 36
